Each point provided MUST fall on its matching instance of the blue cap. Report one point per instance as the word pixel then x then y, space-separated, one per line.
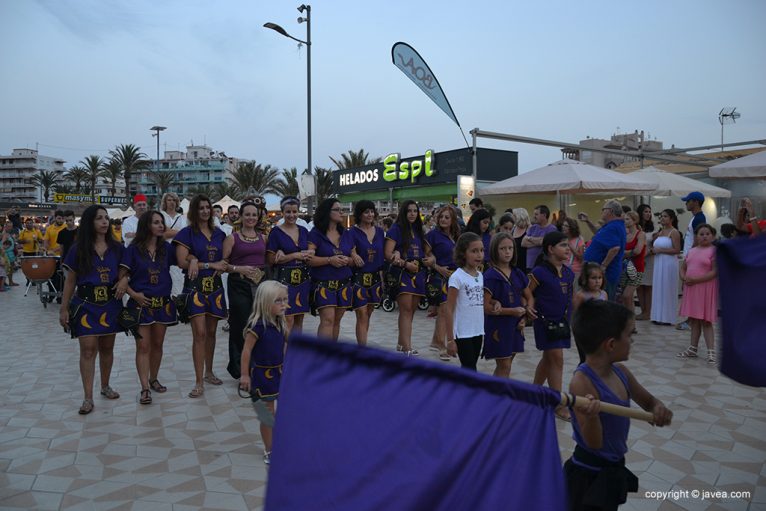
pixel 694 196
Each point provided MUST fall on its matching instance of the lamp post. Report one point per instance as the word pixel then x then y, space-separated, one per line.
pixel 306 10
pixel 157 129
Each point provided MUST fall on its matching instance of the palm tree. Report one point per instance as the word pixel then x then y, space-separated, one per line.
pixel 205 190
pixel 163 179
pixel 132 161
pixel 46 180
pixel 221 190
pixel 288 185
pixel 93 166
pixel 251 176
pixel 323 182
pixel 76 174
pixel 353 160
pixel 112 172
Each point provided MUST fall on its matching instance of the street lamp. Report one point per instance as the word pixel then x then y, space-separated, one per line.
pixel 306 10
pixel 157 129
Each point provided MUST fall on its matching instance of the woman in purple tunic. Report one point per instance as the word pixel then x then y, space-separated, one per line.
pixel 148 260
pixel 507 300
pixel 479 223
pixel 551 281
pixel 245 251
pixel 330 273
pixel 408 252
pixel 368 259
pixel 199 252
pixel 287 252
pixel 442 242
pixel 91 300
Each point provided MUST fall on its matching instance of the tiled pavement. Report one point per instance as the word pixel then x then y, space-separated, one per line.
pixel 184 454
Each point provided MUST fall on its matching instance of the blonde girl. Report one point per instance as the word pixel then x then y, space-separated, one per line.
pixel 263 354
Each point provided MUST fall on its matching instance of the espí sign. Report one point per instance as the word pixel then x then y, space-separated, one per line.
pixel 394 170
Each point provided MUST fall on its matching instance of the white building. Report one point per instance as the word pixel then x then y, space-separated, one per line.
pixel 17 170
pixel 620 141
pixel 198 166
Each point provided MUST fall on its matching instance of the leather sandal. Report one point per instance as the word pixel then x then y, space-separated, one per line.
pixel 197 391
pixel 156 386
pixel 86 407
pixel 690 352
pixel 213 379
pixel 145 397
pixel 109 393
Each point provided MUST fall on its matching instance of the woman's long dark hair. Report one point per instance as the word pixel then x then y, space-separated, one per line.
pixel 549 240
pixel 144 234
pixel 193 213
pixel 673 217
pixel 646 225
pixel 86 238
pixel 362 206
pixel 404 227
pixel 474 223
pixel 322 216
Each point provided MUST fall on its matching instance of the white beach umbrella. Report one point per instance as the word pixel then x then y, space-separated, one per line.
pixel 676 185
pixel 752 165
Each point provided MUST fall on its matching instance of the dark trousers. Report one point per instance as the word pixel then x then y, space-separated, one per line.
pixel 241 294
pixel 469 351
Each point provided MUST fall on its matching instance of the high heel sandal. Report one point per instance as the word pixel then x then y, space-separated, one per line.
pixel 690 352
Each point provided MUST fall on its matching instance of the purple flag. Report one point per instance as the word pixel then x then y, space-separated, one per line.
pixel 364 429
pixel 741 274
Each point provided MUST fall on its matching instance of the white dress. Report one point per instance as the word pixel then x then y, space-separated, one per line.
pixel 176 223
pixel 665 284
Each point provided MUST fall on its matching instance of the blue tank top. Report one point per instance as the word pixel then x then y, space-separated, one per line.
pixel 613 427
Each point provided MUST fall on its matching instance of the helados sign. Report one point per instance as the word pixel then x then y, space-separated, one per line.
pixel 393 170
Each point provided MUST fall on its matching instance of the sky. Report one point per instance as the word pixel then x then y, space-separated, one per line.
pixel 82 76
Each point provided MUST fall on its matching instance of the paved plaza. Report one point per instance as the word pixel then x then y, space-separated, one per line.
pixel 185 454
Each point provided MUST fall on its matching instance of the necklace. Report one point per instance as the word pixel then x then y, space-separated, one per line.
pixel 249 238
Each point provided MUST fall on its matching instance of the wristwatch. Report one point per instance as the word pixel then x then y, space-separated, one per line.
pixel 206 266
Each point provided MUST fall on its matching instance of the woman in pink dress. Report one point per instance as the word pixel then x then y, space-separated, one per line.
pixel 700 300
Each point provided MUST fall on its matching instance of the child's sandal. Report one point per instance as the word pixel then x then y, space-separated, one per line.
pixel 711 358
pixel 690 352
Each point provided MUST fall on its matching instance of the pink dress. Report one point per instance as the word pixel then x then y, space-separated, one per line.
pixel 700 301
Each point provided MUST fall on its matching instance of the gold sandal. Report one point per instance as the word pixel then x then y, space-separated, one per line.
pixel 197 391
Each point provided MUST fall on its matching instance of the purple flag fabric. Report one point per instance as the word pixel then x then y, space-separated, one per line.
pixel 364 429
pixel 741 281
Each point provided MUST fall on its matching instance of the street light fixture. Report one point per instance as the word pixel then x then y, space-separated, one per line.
pixel 157 129
pixel 306 11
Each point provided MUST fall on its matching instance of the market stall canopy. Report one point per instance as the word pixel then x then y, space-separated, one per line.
pixel 676 185
pixel 752 165
pixel 568 176
pixel 184 205
pixel 225 202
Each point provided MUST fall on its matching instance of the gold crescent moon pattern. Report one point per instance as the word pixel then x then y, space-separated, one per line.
pixel 197 302
pixel 167 309
pixel 218 300
pixel 496 336
pixel 102 320
pixel 298 300
pixel 323 293
pixel 84 322
pixel 267 374
pixel 344 293
pixel 413 282
pixel 359 294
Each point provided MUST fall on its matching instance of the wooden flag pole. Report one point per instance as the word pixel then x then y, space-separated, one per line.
pixel 623 411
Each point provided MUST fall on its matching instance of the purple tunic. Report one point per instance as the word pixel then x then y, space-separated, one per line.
pixel 553 300
pixel 266 360
pixel 442 248
pixel 280 240
pixel 206 251
pixel 409 283
pixel 152 277
pixel 96 318
pixel 372 254
pixel 340 291
pixel 297 294
pixel 501 335
pixel 486 239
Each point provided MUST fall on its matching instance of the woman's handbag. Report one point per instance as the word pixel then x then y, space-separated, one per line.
pixel 556 330
pixel 128 319
pixel 182 307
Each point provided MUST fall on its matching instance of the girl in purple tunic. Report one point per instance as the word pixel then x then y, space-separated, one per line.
pixel 479 223
pixel 199 252
pixel 91 299
pixel 367 256
pixel 287 252
pixel 245 251
pixel 442 240
pixel 263 353
pixel 551 281
pixel 507 300
pixel 148 260
pixel 408 252
pixel 330 273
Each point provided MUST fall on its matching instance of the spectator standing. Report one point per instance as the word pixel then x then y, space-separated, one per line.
pixel 533 240
pixel 130 224
pixel 608 246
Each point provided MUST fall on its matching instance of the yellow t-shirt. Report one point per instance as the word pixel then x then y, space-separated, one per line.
pixel 51 236
pixel 30 239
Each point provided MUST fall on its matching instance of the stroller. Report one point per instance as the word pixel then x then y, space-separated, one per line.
pixel 391 289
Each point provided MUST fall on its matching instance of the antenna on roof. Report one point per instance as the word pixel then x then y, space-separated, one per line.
pixel 727 115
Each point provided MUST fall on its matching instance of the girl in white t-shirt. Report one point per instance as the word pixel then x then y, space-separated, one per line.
pixel 465 302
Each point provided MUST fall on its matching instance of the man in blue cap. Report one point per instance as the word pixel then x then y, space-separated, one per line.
pixel 694 205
